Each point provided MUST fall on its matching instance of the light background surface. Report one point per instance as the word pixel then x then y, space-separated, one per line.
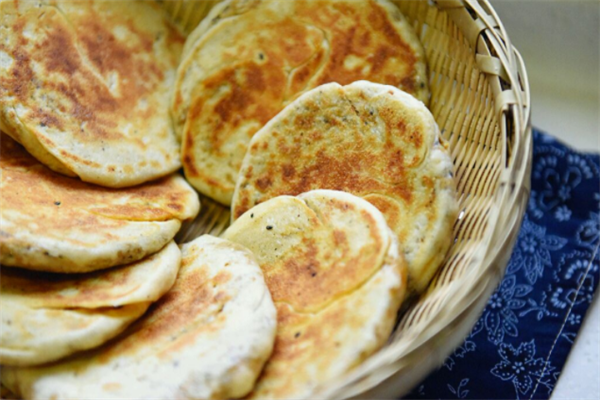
pixel 560 42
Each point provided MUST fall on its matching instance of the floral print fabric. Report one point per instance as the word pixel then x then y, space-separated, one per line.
pixel 521 342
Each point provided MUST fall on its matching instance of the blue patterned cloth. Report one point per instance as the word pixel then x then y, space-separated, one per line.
pixel 521 342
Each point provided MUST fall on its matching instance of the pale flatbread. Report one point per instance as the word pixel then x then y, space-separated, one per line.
pixel 208 338
pixel 45 316
pixel 85 87
pixel 50 222
pixel 370 140
pixel 248 59
pixel 337 279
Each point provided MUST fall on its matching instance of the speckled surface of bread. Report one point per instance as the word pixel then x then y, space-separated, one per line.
pixel 50 222
pixel 370 140
pixel 337 280
pixel 50 316
pixel 84 86
pixel 248 59
pixel 207 338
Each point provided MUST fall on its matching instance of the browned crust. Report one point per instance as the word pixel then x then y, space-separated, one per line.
pixel 337 41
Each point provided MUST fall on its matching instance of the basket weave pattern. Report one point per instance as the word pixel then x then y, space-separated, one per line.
pixel 480 100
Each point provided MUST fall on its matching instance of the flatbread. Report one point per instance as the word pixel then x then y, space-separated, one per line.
pixel 337 279
pixel 248 59
pixel 208 338
pixel 370 140
pixel 85 87
pixel 46 317
pixel 53 223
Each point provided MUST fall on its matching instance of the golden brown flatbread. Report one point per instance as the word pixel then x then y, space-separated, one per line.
pixel 50 222
pixel 85 87
pixel 47 316
pixel 251 58
pixel 337 279
pixel 207 338
pixel 370 140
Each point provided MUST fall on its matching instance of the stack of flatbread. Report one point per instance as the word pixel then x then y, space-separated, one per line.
pixel 308 118
pixel 85 252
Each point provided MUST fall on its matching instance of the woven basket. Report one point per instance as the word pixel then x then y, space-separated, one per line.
pixel 480 100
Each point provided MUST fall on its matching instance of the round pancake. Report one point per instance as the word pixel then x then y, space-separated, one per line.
pixel 85 87
pixel 337 279
pixel 49 316
pixel 207 338
pixel 370 140
pixel 53 223
pixel 249 59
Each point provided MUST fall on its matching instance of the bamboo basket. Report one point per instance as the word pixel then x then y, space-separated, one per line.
pixel 480 100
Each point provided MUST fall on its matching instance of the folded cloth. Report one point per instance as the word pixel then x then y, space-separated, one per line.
pixel 521 342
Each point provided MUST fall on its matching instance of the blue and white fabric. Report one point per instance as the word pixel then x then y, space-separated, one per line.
pixel 521 342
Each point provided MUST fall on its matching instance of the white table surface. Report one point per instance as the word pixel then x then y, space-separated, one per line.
pixel 560 42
